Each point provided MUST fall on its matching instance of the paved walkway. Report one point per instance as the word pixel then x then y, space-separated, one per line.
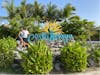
pixel 96 72
pixel 93 71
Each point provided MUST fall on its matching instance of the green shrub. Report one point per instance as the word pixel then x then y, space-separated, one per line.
pixel 74 57
pixel 38 59
pixel 95 56
pixel 7 46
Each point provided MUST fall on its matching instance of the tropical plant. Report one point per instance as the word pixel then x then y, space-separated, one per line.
pixel 68 10
pixel 10 8
pixel 51 12
pixel 74 57
pixel 38 10
pixel 7 47
pixel 4 31
pixel 19 17
pixel 38 60
pixel 94 56
pixel 81 29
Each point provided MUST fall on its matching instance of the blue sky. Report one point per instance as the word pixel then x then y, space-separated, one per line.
pixel 86 9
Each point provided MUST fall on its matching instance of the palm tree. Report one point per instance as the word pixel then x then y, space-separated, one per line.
pixel 51 12
pixel 38 10
pixel 30 10
pixel 21 10
pixel 68 11
pixel 74 18
pixel 10 8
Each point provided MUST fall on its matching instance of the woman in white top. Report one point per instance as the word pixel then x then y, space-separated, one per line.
pixel 25 36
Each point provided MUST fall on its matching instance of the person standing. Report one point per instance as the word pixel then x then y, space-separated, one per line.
pixel 25 36
pixel 20 39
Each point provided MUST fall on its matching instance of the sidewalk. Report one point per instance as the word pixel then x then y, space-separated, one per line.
pixel 88 72
pixel 93 71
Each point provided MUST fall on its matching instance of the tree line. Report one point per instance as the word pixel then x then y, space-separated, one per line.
pixel 27 13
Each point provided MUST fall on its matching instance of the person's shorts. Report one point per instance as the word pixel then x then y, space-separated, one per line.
pixel 25 39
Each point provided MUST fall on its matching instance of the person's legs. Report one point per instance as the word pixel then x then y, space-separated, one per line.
pixel 22 42
pixel 18 43
pixel 25 42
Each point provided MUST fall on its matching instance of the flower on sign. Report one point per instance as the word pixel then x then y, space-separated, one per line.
pixel 52 26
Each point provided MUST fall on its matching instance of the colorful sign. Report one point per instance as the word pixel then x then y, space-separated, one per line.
pixel 50 37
